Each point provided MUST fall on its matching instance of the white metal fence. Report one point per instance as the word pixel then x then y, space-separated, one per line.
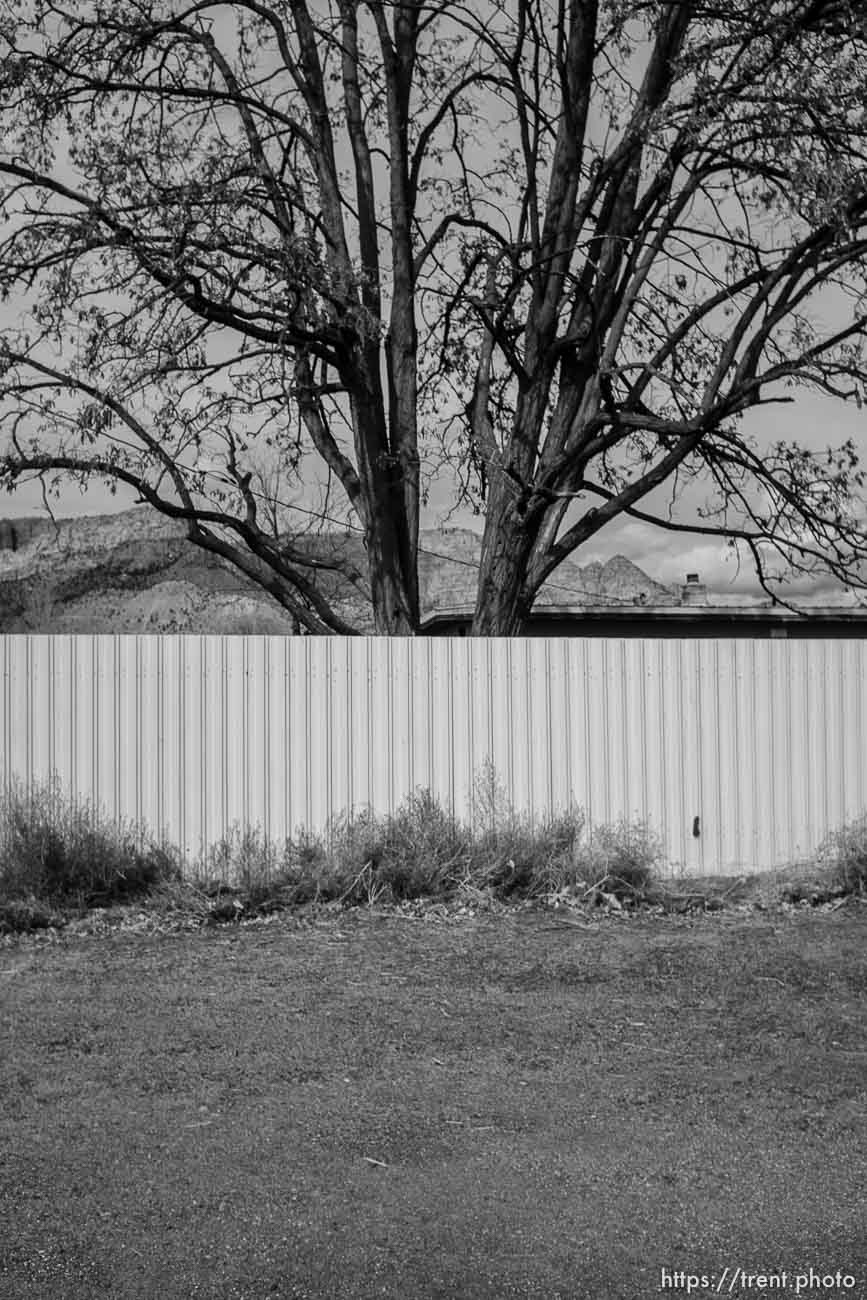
pixel 761 741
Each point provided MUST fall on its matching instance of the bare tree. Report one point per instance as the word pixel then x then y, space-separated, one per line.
pixel 570 243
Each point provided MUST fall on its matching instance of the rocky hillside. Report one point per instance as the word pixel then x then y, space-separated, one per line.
pixel 136 572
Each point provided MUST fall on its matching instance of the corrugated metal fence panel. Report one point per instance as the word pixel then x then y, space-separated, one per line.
pixel 761 741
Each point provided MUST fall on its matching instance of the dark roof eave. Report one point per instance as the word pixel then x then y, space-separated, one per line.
pixel 668 613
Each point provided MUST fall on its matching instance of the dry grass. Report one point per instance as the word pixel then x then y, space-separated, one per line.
pixel 359 1106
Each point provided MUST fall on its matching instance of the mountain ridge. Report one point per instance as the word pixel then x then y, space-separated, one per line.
pixel 136 571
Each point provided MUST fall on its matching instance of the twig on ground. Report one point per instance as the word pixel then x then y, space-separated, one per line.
pixel 569 925
pixel 598 885
pixel 367 866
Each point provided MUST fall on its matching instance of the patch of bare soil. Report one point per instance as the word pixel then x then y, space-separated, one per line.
pixel 363 1105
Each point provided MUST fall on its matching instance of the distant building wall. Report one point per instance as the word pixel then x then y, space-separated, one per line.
pixel 762 741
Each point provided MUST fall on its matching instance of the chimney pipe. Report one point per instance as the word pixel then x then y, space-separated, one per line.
pixel 694 592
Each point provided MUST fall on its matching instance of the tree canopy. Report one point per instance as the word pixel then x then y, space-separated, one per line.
pixel 270 262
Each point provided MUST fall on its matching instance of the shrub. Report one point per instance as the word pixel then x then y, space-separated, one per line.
pixel 844 854
pixel 308 870
pixel 24 915
pixel 362 858
pixel 244 858
pixel 620 859
pixel 55 849
pixel 414 851
pixel 517 856
pixel 511 853
pixel 265 874
pixel 423 850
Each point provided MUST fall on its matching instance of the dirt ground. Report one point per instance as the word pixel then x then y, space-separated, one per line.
pixel 362 1106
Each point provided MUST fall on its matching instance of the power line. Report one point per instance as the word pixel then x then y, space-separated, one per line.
pixel 347 526
pixel 599 597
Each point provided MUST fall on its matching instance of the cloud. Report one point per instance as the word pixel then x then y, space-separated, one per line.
pixel 669 557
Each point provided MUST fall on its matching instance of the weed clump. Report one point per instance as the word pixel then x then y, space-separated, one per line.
pixel 619 860
pixel 58 851
pixel 511 853
pixel 262 874
pixel 418 850
pixel 843 854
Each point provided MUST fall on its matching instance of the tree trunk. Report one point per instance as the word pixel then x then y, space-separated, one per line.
pixel 387 504
pixel 501 604
pixel 392 583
